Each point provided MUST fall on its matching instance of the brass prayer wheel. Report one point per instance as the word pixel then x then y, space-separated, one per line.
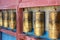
pixel 1 21
pixel 5 18
pixel 39 23
pixel 58 21
pixel 53 27
pixel 27 21
pixel 12 19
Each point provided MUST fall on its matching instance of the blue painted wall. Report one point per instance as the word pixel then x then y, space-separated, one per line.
pixel 7 37
pixel 0 35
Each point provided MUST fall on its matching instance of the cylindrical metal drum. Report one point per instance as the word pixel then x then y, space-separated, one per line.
pixel 53 28
pixel 27 21
pixel 1 22
pixel 5 18
pixel 39 23
pixel 12 19
pixel 58 22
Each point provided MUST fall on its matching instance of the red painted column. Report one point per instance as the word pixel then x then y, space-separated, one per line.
pixel 19 20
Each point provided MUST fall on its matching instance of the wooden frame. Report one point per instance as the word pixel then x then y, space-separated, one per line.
pixel 18 5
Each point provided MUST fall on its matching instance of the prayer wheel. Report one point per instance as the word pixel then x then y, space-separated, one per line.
pixel 12 19
pixel 1 20
pixel 27 21
pixel 53 25
pixel 39 23
pixel 5 18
